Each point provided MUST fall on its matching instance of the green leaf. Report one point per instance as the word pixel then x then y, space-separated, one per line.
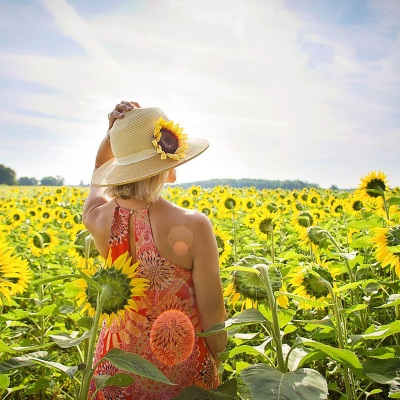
pixel 54 278
pixel 326 322
pixel 90 281
pixel 383 371
pixel 4 381
pixel 85 322
pixel 5 348
pixel 195 392
pixel 394 249
pixel 246 317
pixel 349 286
pixel 67 371
pixel 250 350
pixel 66 341
pixel 51 309
pixel 347 256
pixel 266 382
pixel 361 243
pixel 120 380
pixel 364 224
pixel 244 269
pixel 394 201
pixel 303 300
pixel 383 353
pixel 21 361
pixel 295 358
pixel 135 365
pixel 383 332
pixel 392 300
pixel 342 356
pixel 284 316
pixel 355 308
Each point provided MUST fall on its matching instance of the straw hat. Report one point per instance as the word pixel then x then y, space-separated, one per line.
pixel 145 143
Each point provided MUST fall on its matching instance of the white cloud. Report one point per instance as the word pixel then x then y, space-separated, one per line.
pixel 237 76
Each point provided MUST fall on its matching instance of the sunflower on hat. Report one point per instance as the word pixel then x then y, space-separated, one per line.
pixel 169 141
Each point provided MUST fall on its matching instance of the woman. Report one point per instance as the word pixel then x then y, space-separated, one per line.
pixel 176 249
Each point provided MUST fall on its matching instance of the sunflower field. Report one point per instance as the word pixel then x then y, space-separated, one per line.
pixel 311 284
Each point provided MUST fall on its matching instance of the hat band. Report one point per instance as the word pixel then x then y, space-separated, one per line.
pixel 132 158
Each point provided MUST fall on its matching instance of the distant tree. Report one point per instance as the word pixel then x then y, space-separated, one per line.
pixel 25 181
pixel 7 175
pixel 52 181
pixel 334 187
pixel 257 183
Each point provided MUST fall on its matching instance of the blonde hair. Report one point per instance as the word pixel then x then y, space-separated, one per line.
pixel 147 189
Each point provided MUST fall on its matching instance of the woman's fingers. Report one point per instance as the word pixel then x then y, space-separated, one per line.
pixel 120 109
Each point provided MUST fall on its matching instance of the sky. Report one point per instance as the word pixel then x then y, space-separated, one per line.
pixel 282 89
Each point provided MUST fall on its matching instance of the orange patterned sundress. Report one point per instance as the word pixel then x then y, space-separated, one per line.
pixel 164 329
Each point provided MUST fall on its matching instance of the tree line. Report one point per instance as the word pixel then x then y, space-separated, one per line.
pixel 9 177
pixel 257 183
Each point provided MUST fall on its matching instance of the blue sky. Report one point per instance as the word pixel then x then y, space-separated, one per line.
pixel 283 89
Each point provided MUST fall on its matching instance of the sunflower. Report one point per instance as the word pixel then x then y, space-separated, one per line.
pixel 313 236
pixel 265 224
pixel 14 273
pixel 303 220
pixel 250 219
pixel 17 217
pixel 119 279
pixel 185 202
pixel 43 242
pixel 308 281
pixel 250 288
pixel 206 208
pixel 354 204
pixel 373 185
pixel 387 242
pixel 223 239
pixel 169 141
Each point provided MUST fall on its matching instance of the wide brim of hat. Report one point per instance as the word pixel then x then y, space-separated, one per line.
pixel 111 174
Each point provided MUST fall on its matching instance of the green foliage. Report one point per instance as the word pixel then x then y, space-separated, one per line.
pixel 344 345
pixel 256 183
pixel 7 175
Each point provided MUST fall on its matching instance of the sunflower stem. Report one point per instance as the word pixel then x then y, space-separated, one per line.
pixel 272 247
pixel 385 205
pixel 234 237
pixel 342 339
pixel 276 332
pixel 88 372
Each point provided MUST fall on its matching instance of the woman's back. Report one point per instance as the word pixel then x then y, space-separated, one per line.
pixel 164 328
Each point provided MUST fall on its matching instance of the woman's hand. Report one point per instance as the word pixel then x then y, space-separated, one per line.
pixel 119 111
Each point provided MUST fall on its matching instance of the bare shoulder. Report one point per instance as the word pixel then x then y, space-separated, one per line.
pixel 193 219
pixel 97 212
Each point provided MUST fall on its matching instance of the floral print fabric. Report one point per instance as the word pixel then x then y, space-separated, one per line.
pixel 164 328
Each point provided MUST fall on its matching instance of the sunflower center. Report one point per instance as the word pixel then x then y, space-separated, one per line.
pixel 41 240
pixel 168 141
pixel 230 203
pixel 375 184
pixel 220 244
pixel 117 285
pixel 357 205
